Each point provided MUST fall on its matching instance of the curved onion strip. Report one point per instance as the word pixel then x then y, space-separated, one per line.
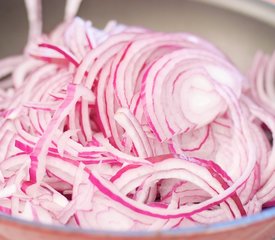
pixel 34 10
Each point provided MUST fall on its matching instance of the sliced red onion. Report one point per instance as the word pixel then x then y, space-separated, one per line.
pixel 129 129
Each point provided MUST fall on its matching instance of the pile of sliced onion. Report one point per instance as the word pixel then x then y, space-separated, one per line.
pixel 129 129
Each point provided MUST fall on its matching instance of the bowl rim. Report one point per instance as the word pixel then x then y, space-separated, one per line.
pixel 262 10
pixel 266 214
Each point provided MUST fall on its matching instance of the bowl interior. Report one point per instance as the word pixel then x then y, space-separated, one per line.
pixel 238 35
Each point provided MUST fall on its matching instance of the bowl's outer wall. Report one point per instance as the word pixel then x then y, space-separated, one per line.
pixel 10 230
pixel 237 35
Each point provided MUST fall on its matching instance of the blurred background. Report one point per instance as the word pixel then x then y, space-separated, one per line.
pixel 238 27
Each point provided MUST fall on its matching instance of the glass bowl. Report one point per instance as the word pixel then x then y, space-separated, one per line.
pixel 238 27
